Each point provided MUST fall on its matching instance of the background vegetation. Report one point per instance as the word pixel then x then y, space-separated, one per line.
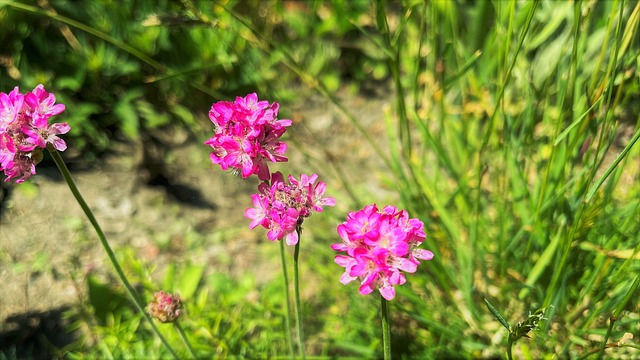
pixel 511 137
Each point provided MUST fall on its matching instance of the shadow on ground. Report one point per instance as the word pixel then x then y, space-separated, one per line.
pixel 35 335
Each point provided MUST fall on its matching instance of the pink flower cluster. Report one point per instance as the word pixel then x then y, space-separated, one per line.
pixel 379 246
pixel 25 130
pixel 281 207
pixel 246 135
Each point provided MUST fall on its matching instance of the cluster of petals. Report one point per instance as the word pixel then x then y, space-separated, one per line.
pixel 281 207
pixel 165 307
pixel 25 130
pixel 246 135
pixel 379 247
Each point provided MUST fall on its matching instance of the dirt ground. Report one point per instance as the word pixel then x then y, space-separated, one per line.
pixel 46 241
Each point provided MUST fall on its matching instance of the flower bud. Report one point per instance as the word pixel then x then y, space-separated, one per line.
pixel 165 307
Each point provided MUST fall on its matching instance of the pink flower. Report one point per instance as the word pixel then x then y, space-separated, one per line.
pixel 7 151
pixel 380 246
pixel 41 133
pixel 10 108
pixel 42 103
pixel 282 207
pixel 25 131
pixel 246 135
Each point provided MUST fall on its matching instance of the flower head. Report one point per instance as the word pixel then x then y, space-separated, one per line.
pixel 165 307
pixel 25 130
pixel 379 247
pixel 281 206
pixel 246 135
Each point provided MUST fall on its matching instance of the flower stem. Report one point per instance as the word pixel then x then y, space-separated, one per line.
pixel 509 347
pixel 184 338
pixel 296 287
pixel 386 335
pixel 105 244
pixel 287 300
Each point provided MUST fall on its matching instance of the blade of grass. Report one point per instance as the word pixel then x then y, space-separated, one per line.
pixel 543 262
pixel 613 166
pixel 577 122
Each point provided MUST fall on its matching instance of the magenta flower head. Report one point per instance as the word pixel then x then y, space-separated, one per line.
pixel 25 131
pixel 165 307
pixel 246 135
pixel 281 207
pixel 379 247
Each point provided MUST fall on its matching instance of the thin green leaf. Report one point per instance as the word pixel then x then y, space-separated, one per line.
pixel 497 315
pixel 576 122
pixel 630 294
pixel 468 65
pixel 612 167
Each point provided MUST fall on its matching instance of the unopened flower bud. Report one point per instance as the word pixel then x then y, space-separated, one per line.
pixel 165 307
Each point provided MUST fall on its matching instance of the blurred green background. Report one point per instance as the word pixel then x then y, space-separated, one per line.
pixel 511 135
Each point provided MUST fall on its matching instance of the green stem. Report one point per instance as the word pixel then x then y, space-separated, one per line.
pixel 287 313
pixel 386 335
pixel 105 244
pixel 184 338
pixel 296 288
pixel 612 320
pixel 509 346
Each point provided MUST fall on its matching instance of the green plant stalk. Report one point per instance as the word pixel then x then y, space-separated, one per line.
pixel 393 63
pixel 616 314
pixel 287 298
pixel 184 338
pixel 509 348
pixel 504 323
pixel 559 274
pixel 474 228
pixel 296 289
pixel 105 244
pixel 386 334
pixel 587 354
pixel 613 166
pixel 612 320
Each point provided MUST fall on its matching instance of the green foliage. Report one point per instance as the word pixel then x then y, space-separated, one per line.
pixel 501 132
pixel 220 319
pixel 512 137
pixel 125 70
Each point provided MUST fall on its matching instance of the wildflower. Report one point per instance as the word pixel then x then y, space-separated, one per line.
pixel 165 307
pixel 25 131
pixel 282 207
pixel 246 135
pixel 379 247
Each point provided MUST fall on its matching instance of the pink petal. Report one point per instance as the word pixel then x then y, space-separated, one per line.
pixel 60 128
pixel 346 278
pixel 59 144
pixel 292 238
pixel 365 289
pixel 422 254
pixel 387 292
